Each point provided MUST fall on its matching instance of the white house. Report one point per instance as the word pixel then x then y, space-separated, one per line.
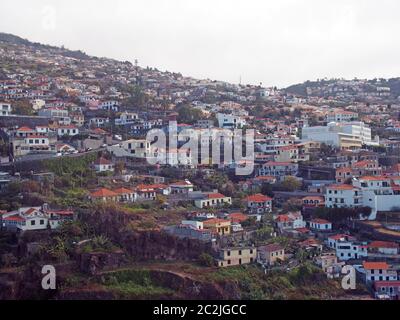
pixel 347 250
pixel 69 131
pixel 103 165
pixel 320 225
pixel 259 204
pixel 5 109
pixel 230 121
pixel 126 118
pixel 379 271
pixel 280 170
pixel 195 224
pixel 35 218
pixel 212 200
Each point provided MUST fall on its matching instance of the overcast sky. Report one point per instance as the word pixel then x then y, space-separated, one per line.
pixel 273 42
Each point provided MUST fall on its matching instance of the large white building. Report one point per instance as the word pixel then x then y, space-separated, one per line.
pixel 230 121
pixel 341 116
pixel 345 135
pixel 377 193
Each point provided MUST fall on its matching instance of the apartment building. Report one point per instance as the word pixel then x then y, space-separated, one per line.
pixel 236 256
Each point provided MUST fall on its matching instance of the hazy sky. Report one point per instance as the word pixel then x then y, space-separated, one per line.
pixel 277 42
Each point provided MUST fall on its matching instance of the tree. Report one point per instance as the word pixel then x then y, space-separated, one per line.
pixel 206 260
pixel 23 107
pixel 189 115
pixel 291 184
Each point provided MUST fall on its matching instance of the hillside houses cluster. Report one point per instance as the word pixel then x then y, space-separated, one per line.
pixel 325 184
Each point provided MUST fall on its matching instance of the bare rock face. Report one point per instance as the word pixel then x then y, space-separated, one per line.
pixel 155 245
pixel 94 262
pixel 8 286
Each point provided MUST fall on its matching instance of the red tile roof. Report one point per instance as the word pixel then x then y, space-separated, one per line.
pixel 123 191
pixel 258 198
pixel 341 187
pixel 321 221
pixel 102 161
pixel 215 196
pixel 383 244
pixel 103 192
pixel 25 129
pixel 375 265
pixel 16 218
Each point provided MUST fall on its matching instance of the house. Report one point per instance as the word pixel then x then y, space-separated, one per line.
pixel 270 254
pixel 125 195
pixel 126 118
pixel 230 121
pixel 181 187
pixel 330 265
pixel 333 241
pixel 291 220
pixel 348 250
pixel 279 170
pixel 63 148
pixel 103 165
pixel 35 218
pixel 236 256
pixel 379 271
pixel 24 132
pixel 218 226
pixel 69 131
pixel 387 288
pixel 146 192
pixel 384 247
pixel 36 142
pixel 194 223
pixel 313 201
pixel 320 225
pixel 190 232
pixel 5 109
pixel 259 204
pixel 214 199
pixel 237 217
pixel 342 196
pixel 104 195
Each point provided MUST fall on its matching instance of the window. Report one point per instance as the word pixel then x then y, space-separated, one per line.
pixel 33 222
pixel 42 222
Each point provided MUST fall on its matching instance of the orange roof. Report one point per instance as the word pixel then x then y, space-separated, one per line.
pixel 14 218
pixel 238 217
pixel 341 187
pixel 321 198
pixel 25 129
pixel 258 198
pixel 282 218
pixel 123 191
pixel 215 196
pixel 375 265
pixel 277 164
pixel 363 163
pixel 103 192
pixel 320 221
pixel 29 211
pixel 150 187
pixel 101 161
pixel 215 221
pixel 377 178
pixel 383 244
